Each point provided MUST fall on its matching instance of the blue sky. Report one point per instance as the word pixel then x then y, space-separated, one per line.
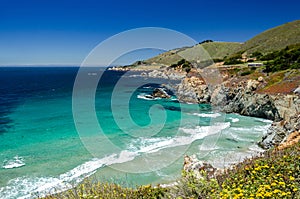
pixel 64 32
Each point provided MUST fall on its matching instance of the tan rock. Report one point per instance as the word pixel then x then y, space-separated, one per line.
pixel 291 140
pixel 260 79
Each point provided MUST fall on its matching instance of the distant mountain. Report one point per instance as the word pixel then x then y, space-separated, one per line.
pixel 271 40
pixel 274 39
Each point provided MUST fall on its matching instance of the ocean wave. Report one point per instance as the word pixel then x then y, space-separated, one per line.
pixel 216 128
pixel 253 129
pixel 234 119
pixel 16 162
pixel 264 120
pixel 152 145
pixel 146 97
pixel 210 115
pixel 25 188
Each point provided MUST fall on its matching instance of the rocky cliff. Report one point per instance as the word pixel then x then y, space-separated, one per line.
pixel 243 99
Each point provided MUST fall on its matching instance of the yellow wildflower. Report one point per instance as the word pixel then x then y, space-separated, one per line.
pixel 268 194
pixel 281 183
pixel 273 184
pixel 295 189
pixel 276 191
pixel 283 193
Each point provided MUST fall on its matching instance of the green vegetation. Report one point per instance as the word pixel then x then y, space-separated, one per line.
pixel 256 54
pixel 166 58
pixel 187 66
pixel 214 50
pixel 89 189
pixel 234 59
pixel 218 50
pixel 248 72
pixel 283 59
pixel 274 39
pixel 275 174
pixel 206 41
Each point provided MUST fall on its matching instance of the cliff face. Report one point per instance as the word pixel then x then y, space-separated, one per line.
pixel 243 99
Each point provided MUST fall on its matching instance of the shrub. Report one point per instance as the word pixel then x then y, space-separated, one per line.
pixel 89 189
pixel 189 186
pixel 233 61
pixel 276 175
pixel 256 54
pixel 246 73
pixel 216 60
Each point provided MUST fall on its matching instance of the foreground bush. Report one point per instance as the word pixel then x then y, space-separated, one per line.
pixel 99 190
pixel 276 175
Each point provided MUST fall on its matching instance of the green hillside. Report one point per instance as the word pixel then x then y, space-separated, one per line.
pixel 218 50
pixel 269 41
pixel 211 50
pixel 274 39
pixel 166 58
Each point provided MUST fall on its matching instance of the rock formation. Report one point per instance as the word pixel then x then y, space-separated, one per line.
pixel 243 99
pixel 160 93
pixel 191 163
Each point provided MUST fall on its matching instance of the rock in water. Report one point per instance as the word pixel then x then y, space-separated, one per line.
pixel 160 93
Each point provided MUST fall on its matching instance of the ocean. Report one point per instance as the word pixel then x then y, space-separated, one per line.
pixel 51 141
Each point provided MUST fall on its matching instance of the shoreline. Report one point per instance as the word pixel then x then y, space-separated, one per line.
pixel 241 98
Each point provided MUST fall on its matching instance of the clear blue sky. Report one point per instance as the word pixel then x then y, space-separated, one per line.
pixel 64 32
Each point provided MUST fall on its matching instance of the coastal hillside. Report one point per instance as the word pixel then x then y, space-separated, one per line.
pixel 216 50
pixel 274 39
pixel 266 42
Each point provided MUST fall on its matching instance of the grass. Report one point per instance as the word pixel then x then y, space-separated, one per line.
pixel 274 39
pixel 97 190
pixel 274 174
pixel 215 50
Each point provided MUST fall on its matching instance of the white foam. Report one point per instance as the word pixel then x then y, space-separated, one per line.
pixel 146 97
pixel 217 127
pixel 264 120
pixel 151 145
pixel 234 119
pixel 254 129
pixel 211 115
pixel 30 187
pixel 13 163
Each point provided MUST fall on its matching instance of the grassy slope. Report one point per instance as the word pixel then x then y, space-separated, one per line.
pixel 274 39
pixel 218 50
pixel 166 58
pixel 215 50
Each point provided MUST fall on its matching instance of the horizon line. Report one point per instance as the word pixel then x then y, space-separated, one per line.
pixel 51 65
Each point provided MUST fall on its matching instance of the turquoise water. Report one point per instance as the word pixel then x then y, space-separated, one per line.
pixel 135 140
